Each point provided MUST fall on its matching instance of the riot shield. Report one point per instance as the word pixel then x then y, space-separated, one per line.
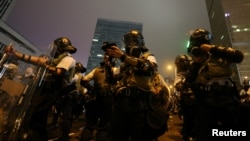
pixel 20 82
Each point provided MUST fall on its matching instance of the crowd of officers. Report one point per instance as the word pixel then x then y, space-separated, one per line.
pixel 210 100
pixel 119 102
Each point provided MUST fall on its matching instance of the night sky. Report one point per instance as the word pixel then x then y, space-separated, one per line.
pixel 165 23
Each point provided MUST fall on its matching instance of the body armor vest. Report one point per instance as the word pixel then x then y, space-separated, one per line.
pixel 131 77
pixel 60 81
pixel 214 68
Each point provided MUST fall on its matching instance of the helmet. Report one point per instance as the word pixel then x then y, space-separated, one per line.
pixel 134 38
pixel 80 68
pixel 63 44
pixel 182 62
pixel 198 37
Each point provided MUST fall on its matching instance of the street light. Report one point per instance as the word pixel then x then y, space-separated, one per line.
pixel 169 67
pixel 171 70
pixel 170 73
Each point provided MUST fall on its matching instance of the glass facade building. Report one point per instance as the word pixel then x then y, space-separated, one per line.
pixel 230 26
pixel 110 31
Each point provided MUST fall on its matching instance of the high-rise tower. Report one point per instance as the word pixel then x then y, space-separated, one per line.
pixel 230 25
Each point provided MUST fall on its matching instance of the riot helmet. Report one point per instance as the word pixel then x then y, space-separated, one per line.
pixel 80 68
pixel 183 62
pixel 63 44
pixel 198 37
pixel 134 43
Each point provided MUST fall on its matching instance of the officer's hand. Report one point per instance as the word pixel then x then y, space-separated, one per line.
pixel 115 52
pixel 42 61
pixel 9 49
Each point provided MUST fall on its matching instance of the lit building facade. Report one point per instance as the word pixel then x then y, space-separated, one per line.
pixel 230 26
pixel 110 31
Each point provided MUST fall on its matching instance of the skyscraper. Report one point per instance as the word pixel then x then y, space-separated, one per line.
pixel 230 25
pixel 110 31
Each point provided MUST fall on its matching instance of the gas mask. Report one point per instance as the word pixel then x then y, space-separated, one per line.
pixel 134 51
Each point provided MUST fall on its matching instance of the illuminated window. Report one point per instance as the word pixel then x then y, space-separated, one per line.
pixel 227 14
pixel 99 55
pixel 95 40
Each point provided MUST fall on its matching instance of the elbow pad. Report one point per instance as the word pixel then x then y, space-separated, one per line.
pixel 231 54
pixel 142 65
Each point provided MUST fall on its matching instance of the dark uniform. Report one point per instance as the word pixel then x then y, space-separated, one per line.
pixel 133 101
pixel 70 102
pixel 216 94
pixel 187 99
pixel 244 92
pixel 56 81
pixel 99 109
pixel 79 92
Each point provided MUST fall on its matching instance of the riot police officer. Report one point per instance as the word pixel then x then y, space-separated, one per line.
pixel 216 94
pixel 80 91
pixel 245 91
pixel 70 102
pixel 99 111
pixel 133 97
pixel 187 99
pixel 60 72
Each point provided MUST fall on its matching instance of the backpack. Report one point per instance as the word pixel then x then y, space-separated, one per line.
pixel 161 102
pixel 159 85
pixel 162 96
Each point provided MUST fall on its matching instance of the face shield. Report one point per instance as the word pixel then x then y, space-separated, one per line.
pixel 52 50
